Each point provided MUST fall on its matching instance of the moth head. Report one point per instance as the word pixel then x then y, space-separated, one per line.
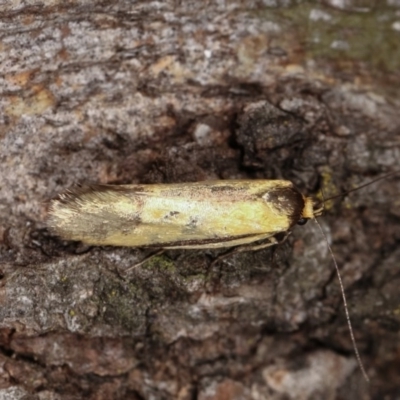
pixel 311 210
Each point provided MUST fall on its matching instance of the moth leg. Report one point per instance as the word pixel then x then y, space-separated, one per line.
pixel 157 253
pixel 272 241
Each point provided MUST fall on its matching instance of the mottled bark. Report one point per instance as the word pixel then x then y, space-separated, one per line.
pixel 127 92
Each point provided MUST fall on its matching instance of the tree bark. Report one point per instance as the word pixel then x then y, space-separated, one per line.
pixel 146 92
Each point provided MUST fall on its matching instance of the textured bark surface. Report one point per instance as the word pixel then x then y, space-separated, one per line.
pixel 116 92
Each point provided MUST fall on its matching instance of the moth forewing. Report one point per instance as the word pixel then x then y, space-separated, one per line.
pixel 208 214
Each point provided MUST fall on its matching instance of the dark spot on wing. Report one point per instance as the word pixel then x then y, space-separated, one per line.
pixel 289 201
pixel 171 214
pixel 192 223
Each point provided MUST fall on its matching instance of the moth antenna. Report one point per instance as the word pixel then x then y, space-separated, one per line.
pixel 363 185
pixel 346 309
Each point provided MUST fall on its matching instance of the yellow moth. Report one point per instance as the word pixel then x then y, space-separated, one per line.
pixel 210 214
pixel 245 214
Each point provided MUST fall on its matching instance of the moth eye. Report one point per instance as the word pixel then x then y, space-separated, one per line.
pixel 302 221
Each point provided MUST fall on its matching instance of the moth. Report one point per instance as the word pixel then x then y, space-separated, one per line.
pixel 243 214
pixel 200 215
